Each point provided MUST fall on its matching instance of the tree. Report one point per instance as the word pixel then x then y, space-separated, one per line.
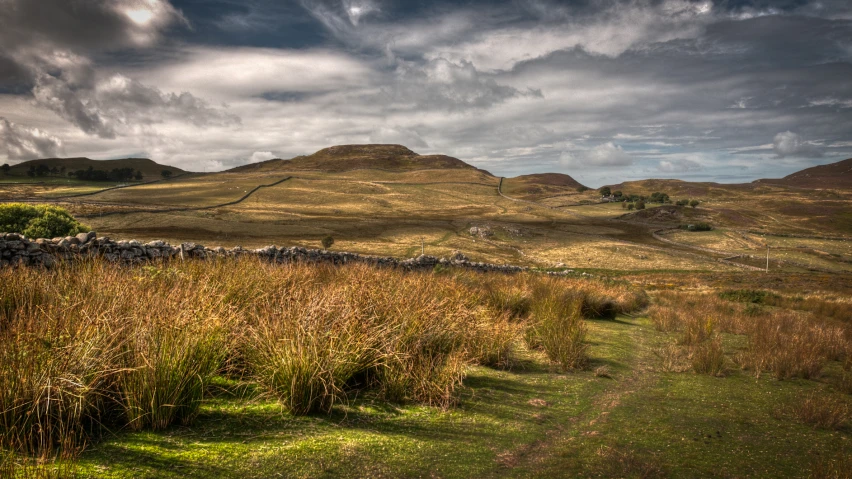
pixel 640 205
pixel 166 174
pixel 327 242
pixel 659 197
pixel 694 203
pixel 42 170
pixel 5 168
pixel 138 175
pixel 617 194
pixel 581 189
pixel 682 202
pixel 630 206
pixel 54 171
pixel 605 191
pixel 32 171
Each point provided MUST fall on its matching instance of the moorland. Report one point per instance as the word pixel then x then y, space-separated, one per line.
pixel 661 349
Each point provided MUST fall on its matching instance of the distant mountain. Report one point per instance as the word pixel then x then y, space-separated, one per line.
pixel 352 157
pixel 150 169
pixel 834 175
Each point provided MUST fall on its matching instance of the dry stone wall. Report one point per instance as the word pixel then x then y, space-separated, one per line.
pixel 16 250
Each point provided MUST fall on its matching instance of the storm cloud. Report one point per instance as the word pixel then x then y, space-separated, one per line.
pixel 605 91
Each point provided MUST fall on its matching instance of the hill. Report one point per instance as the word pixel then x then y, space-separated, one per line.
pixel 834 175
pixel 353 157
pixel 150 169
pixel 539 186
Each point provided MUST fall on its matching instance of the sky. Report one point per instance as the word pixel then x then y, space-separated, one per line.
pixel 605 91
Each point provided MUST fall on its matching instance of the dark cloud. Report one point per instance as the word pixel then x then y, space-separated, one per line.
pixel 46 47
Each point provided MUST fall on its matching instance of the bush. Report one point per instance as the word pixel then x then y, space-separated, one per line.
pixel 640 205
pixel 682 202
pixel 38 221
pixel 582 189
pixel 755 296
pixel 694 203
pixel 630 206
pixel 327 242
pixel 605 191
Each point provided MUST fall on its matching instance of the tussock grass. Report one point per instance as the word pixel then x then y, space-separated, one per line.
pixel 783 343
pixel 823 411
pixel 91 344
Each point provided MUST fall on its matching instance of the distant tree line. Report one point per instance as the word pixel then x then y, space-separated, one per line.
pixel 117 174
pixel 637 202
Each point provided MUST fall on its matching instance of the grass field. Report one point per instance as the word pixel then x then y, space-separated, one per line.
pixel 639 403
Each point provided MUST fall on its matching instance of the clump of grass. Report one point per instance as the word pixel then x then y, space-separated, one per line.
pixel 709 357
pixel 832 468
pixel 823 411
pixel 557 328
pixel 673 358
pixel 618 462
pixel 664 318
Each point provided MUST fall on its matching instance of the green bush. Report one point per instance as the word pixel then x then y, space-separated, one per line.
pixel 38 221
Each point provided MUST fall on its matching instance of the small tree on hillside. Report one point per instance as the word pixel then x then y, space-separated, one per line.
pixel 605 191
pixel 166 174
pixel 138 175
pixel 327 242
pixel 630 206
pixel 640 205
pixel 694 203
pixel 5 168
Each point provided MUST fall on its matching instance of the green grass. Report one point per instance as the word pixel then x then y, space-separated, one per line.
pixel 531 421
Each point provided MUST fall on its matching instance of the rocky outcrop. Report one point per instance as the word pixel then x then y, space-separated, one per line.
pixel 16 250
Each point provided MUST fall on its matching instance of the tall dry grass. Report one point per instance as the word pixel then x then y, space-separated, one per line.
pixel 780 342
pixel 92 344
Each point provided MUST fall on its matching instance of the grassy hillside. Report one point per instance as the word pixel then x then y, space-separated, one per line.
pixel 385 199
pixel 352 157
pixel 150 169
pixel 834 175
pixel 542 186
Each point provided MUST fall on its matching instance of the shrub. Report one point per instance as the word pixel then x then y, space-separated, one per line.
pixel 630 206
pixel 582 189
pixel 38 221
pixel 605 191
pixel 640 205
pixel 327 242
pixel 682 202
pixel 694 203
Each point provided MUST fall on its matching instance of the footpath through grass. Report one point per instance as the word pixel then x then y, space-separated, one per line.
pixel 530 421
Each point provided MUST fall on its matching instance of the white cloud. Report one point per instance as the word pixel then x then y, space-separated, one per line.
pixel 791 144
pixel 259 156
pixel 229 73
pixel 22 143
pixel 603 155
pixel 678 166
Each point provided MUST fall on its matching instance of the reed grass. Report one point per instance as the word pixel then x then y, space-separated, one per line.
pixel 91 344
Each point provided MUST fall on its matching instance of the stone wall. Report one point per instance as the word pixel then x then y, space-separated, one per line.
pixel 16 250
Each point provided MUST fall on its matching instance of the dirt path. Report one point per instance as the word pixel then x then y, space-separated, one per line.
pixel 544 454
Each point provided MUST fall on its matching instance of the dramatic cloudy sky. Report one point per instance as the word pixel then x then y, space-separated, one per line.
pixel 603 90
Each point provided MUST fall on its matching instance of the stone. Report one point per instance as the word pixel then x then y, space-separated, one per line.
pixel 83 238
pixel 72 240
